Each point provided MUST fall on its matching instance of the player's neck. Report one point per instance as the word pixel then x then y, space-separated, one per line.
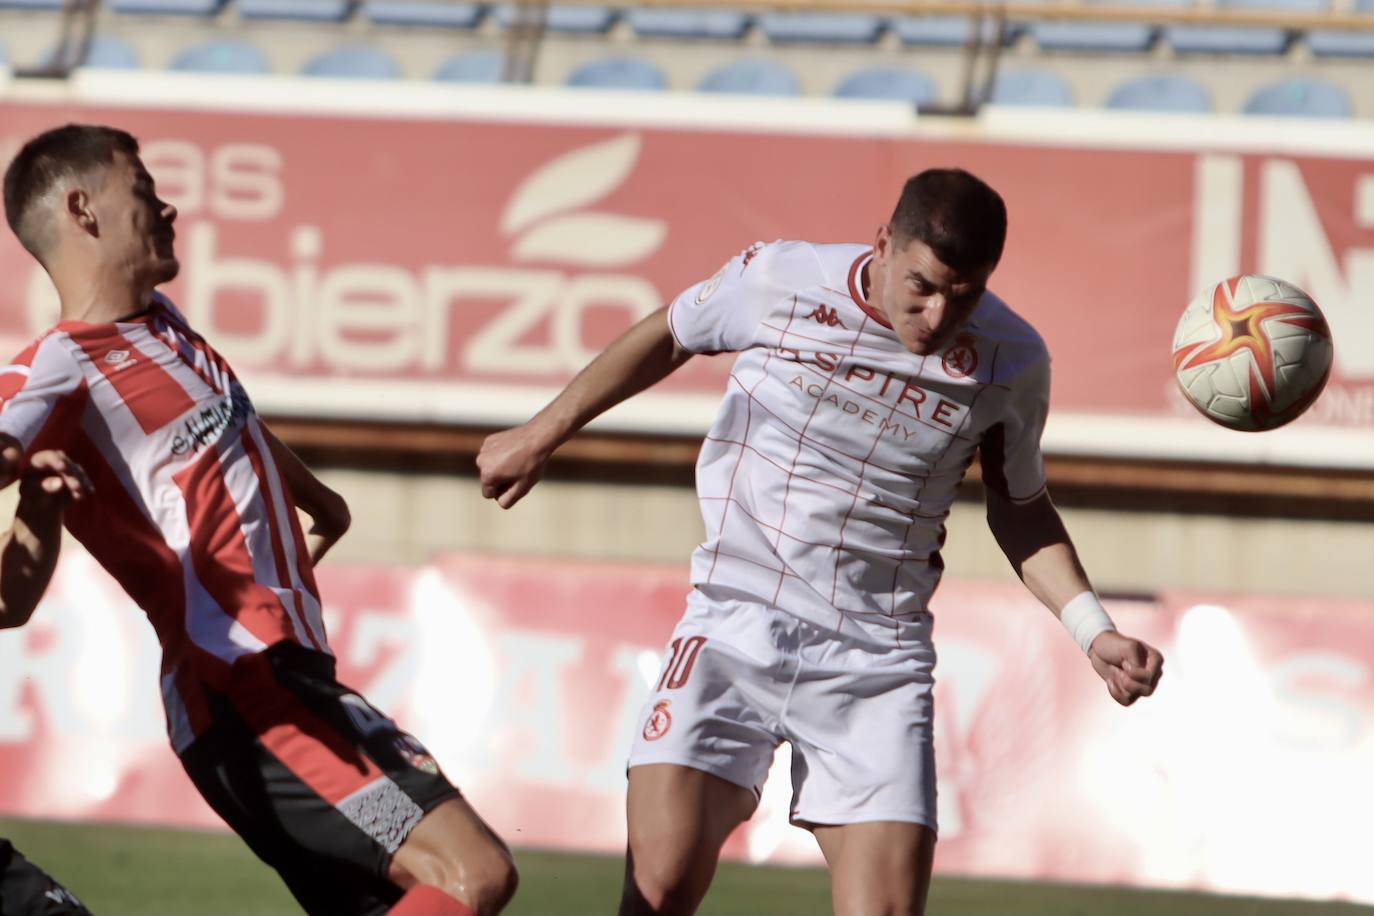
pixel 98 298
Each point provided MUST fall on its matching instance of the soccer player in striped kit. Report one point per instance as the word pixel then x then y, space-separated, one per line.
pixel 868 379
pixel 194 513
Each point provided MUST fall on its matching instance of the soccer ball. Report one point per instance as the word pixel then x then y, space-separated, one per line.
pixel 1252 353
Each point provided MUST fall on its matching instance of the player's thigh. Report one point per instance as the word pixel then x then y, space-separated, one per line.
pixel 452 847
pixel 880 867
pixel 321 785
pixel 681 813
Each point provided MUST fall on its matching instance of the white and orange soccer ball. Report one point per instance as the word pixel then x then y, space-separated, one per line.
pixel 1252 352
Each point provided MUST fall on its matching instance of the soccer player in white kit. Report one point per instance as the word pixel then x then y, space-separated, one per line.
pixel 868 380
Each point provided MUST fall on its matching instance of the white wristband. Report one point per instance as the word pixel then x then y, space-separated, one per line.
pixel 1085 618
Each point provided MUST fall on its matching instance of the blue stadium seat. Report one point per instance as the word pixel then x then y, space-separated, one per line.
pixel 898 83
pixel 353 62
pixel 424 13
pixel 1073 35
pixel 1131 37
pixel 1160 92
pixel 1221 39
pixel 31 4
pixel 221 57
pixel 943 31
pixel 618 73
pixel 166 7
pixel 822 27
pixel 1032 87
pixel 309 10
pixel 1336 43
pixel 105 53
pixel 1303 97
pixel 483 66
pixel 654 22
pixel 751 76
pixel 584 20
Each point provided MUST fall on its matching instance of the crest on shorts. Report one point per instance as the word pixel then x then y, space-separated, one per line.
pixel 961 358
pixel 414 753
pixel 659 721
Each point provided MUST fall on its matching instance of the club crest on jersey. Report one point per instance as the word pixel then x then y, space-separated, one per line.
pixel 961 359
pixel 659 721
pixel 826 316
pixel 415 754
pixel 710 287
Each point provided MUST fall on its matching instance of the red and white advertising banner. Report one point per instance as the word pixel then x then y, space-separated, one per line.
pixel 413 252
pixel 526 679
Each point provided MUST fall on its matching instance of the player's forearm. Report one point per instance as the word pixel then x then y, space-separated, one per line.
pixel 326 508
pixel 1035 541
pixel 638 359
pixel 28 556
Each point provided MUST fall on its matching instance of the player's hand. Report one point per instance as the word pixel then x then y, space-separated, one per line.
pixel 330 520
pixel 51 482
pixel 510 463
pixel 1131 668
pixel 11 460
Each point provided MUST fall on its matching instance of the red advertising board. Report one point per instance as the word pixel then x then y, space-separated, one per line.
pixel 386 261
pixel 526 682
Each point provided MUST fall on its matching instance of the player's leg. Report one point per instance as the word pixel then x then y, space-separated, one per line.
pixel 880 868
pixel 327 790
pixel 699 760
pixel 679 818
pixel 26 890
pixel 861 722
pixel 452 853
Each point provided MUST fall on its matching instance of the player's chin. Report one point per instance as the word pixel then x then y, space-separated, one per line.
pixel 166 269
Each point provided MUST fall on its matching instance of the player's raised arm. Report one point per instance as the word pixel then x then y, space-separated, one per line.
pixel 511 462
pixel 29 549
pixel 1034 538
pixel 328 510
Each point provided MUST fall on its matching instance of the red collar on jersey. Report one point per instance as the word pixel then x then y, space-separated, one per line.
pixel 856 289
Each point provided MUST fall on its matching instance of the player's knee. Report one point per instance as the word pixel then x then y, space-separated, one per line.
pixel 667 881
pixel 484 879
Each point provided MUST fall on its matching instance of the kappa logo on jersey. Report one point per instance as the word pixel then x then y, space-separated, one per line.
pixel 961 359
pixel 826 316
pixel 659 721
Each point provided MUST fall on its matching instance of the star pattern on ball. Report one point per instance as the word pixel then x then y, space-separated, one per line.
pixel 1243 329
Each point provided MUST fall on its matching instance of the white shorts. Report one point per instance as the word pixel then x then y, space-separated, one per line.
pixel 853 700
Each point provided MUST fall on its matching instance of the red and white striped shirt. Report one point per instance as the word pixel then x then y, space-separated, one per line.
pixel 190 513
pixel 829 472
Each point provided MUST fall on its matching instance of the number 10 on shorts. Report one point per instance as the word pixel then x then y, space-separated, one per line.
pixel 682 656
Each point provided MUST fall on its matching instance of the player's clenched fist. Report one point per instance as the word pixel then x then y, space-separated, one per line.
pixel 510 463
pixel 1130 667
pixel 53 481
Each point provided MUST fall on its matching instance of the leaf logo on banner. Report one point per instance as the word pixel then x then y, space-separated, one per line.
pixel 575 180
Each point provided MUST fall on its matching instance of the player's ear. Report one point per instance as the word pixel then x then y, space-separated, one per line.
pixel 77 208
pixel 883 242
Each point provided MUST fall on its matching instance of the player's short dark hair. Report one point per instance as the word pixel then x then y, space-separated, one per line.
pixel 72 151
pixel 958 215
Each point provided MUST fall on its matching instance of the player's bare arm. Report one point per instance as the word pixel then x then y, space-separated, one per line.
pixel 328 511
pixel 1034 538
pixel 511 462
pixel 29 549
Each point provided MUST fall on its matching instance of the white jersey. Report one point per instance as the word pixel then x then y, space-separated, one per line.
pixel 827 476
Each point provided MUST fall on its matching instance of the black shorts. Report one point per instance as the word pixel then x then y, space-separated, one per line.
pixel 322 786
pixel 26 891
